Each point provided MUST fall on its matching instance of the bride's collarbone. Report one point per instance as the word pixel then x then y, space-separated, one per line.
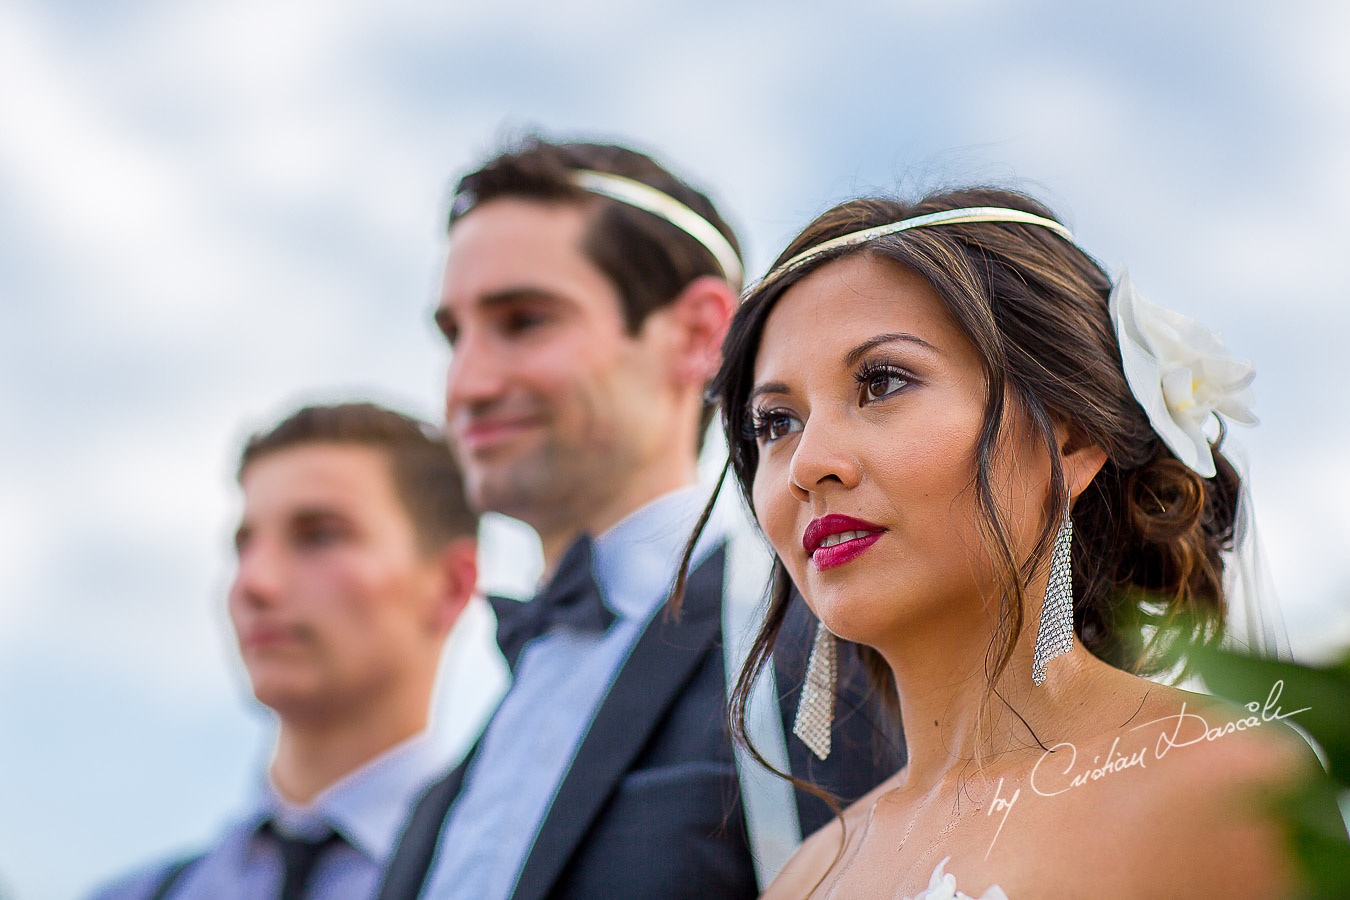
pixel 894 838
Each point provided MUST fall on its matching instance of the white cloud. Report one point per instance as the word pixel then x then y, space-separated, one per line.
pixel 226 208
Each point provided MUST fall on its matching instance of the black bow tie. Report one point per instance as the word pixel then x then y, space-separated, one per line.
pixel 571 598
pixel 299 857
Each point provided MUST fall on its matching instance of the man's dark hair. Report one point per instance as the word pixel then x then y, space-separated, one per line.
pixel 426 479
pixel 647 259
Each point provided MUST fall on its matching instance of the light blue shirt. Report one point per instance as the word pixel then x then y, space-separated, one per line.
pixel 368 807
pixel 559 682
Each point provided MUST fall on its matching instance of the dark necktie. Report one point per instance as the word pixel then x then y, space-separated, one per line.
pixel 299 856
pixel 571 598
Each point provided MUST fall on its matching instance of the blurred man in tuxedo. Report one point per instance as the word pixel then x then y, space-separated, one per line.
pixel 356 554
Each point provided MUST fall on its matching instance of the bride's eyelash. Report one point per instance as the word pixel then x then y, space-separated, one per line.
pixel 870 369
pixel 757 425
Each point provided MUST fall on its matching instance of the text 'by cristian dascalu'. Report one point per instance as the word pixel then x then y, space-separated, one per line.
pixel 1052 782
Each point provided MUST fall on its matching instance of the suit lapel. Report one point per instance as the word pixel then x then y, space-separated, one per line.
pixel 664 658
pixel 406 873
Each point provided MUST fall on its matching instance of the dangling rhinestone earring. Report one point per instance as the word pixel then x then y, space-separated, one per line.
pixel 815 710
pixel 1055 636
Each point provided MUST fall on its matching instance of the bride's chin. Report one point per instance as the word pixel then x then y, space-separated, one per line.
pixel 873 620
pixel 892 621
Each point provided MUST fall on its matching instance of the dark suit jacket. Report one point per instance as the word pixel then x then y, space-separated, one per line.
pixel 650 806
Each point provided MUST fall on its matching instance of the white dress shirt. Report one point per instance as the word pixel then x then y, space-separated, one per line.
pixel 560 680
pixel 368 808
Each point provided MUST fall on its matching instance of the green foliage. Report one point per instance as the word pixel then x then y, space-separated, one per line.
pixel 1314 824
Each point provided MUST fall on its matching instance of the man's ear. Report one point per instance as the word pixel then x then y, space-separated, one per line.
pixel 1080 458
pixel 701 314
pixel 458 564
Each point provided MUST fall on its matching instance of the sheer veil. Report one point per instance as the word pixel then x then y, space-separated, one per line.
pixel 1255 623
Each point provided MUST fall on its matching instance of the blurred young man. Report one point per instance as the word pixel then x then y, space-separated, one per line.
pixel 585 298
pixel 356 554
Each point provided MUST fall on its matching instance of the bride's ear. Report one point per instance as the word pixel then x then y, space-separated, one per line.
pixel 1080 458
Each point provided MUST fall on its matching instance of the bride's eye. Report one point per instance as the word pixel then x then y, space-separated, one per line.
pixel 772 424
pixel 881 381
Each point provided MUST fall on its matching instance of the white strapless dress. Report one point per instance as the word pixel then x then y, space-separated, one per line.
pixel 943 887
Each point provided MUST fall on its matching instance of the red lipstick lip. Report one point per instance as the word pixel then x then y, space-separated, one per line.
pixel 821 528
pixel 838 554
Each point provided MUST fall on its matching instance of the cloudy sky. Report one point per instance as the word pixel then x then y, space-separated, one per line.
pixel 212 211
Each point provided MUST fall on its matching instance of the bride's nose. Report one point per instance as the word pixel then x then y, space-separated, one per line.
pixel 822 460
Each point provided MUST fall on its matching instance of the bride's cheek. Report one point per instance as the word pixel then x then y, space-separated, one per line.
pixel 768 507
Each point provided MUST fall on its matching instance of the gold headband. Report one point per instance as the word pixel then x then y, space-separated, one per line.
pixel 946 217
pixel 658 203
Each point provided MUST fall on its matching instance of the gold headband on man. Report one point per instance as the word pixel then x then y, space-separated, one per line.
pixel 658 203
pixel 649 199
pixel 946 217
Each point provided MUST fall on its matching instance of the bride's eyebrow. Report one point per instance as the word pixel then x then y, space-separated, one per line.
pixel 768 387
pixel 852 357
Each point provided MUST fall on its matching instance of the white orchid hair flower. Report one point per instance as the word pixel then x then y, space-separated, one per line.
pixel 1180 372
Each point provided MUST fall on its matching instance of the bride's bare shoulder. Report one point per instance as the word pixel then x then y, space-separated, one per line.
pixel 1211 742
pixel 1197 802
pixel 808 867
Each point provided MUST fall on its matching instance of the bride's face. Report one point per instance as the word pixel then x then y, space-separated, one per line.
pixel 868 401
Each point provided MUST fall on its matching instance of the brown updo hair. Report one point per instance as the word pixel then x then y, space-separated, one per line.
pixel 1149 531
